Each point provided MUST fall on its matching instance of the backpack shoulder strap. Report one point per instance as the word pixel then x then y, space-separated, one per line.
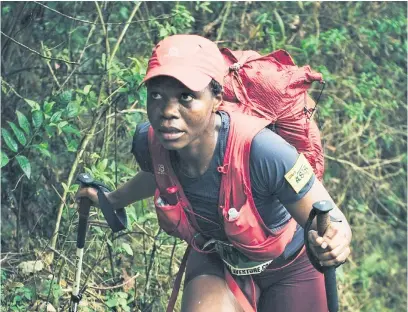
pixel 235 167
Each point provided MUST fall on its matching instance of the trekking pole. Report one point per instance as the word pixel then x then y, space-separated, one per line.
pixel 84 207
pixel 116 219
pixel 322 209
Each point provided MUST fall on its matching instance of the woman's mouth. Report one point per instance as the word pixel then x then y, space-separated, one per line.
pixel 170 134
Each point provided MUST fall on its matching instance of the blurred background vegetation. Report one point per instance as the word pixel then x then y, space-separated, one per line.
pixel 66 67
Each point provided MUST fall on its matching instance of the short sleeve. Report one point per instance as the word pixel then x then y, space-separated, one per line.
pixel 272 161
pixel 140 147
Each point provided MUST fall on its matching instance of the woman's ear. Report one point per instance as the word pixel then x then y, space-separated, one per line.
pixel 217 100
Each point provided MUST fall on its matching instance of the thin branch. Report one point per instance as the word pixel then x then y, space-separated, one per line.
pixel 165 16
pixel 50 68
pixel 354 166
pixel 224 20
pixel 394 217
pixel 128 111
pixel 80 56
pixel 61 255
pixel 12 89
pixel 38 53
pixel 18 182
pixel 122 35
pixel 209 27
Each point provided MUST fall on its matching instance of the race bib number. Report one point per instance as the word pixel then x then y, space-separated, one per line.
pixel 300 174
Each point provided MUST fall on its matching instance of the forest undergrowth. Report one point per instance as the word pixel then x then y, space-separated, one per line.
pixel 70 104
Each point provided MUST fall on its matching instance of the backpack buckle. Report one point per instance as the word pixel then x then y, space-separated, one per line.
pixel 235 67
pixel 223 169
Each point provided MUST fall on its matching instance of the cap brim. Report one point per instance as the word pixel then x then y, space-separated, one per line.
pixel 192 79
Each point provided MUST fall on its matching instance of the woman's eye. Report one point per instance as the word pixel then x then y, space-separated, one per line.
pixel 155 96
pixel 185 97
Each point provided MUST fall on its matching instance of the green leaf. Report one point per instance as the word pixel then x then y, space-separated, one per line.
pixel 72 146
pixel 49 130
pixel 62 124
pixel 163 32
pixel 4 159
pixel 122 294
pixel 23 122
pixel 71 129
pixel 72 109
pixel 65 97
pixel 87 88
pixel 112 303
pixel 48 106
pixel 73 188
pixel 102 165
pixel 38 118
pixel 280 22
pixel 18 133
pixel 33 104
pixel 127 248
pixel 56 117
pixel 9 140
pixel 124 12
pixel 24 165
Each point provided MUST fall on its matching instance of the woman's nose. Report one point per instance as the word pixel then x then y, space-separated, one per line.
pixel 170 109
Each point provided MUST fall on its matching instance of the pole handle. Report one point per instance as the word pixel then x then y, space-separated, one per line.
pixel 322 209
pixel 84 208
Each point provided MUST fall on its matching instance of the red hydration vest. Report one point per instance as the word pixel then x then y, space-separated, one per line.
pixel 247 233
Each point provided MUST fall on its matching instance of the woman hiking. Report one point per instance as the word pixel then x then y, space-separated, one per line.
pixel 245 232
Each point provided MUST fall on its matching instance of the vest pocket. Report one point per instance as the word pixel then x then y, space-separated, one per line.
pixel 248 236
pixel 272 247
pixel 172 219
pixel 245 228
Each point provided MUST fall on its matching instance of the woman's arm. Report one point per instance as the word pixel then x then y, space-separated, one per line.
pixel 141 186
pixel 333 248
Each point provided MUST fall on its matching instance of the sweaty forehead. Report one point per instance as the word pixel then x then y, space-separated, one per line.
pixel 163 82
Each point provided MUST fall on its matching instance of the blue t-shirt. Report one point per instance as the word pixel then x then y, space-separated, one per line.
pixel 271 157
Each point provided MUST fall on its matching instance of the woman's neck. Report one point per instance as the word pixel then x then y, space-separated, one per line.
pixel 195 158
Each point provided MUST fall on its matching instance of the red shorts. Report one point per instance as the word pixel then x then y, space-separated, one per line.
pixel 293 285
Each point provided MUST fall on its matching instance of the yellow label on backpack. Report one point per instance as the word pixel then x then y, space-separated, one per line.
pixel 300 173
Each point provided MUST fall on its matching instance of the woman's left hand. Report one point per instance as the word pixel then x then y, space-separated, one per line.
pixel 334 247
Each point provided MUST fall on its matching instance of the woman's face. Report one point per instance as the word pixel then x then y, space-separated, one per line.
pixel 179 116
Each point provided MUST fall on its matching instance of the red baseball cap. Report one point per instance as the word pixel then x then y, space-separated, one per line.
pixel 191 59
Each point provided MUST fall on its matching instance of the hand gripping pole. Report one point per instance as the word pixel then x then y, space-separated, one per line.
pixel 321 211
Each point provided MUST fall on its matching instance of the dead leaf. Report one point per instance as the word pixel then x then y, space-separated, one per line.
pixel 331 148
pixel 43 306
pixel 28 267
pixel 129 285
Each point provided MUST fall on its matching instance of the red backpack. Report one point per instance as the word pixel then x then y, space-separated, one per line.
pixel 274 88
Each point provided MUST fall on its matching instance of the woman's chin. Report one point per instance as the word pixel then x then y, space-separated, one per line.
pixel 172 145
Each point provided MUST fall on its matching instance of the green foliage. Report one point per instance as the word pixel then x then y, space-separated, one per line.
pixel 24 165
pixel 118 300
pixel 51 106
pixel 10 142
pixel 23 122
pixel 4 159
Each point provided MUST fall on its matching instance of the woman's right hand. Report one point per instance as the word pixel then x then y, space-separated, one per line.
pixel 88 192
